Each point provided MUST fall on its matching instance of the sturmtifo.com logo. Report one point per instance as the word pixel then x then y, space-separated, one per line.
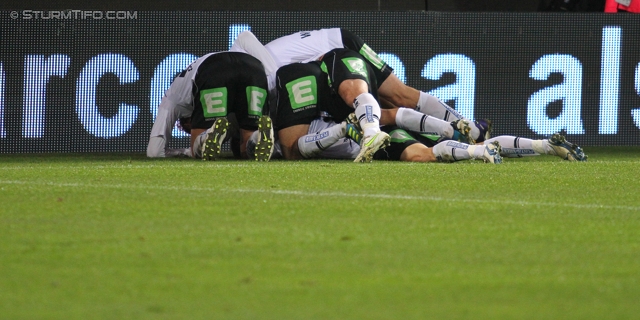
pixel 73 14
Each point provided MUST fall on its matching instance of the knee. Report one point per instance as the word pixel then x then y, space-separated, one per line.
pixel 418 152
pixel 350 89
pixel 397 93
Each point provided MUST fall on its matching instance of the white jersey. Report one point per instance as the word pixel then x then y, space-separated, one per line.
pixel 176 103
pixel 304 46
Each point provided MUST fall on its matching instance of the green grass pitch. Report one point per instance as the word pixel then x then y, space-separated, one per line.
pixel 113 236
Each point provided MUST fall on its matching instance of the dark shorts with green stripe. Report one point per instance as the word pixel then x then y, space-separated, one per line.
pixel 303 94
pixel 380 68
pixel 400 140
pixel 346 64
pixel 230 82
pixel 302 89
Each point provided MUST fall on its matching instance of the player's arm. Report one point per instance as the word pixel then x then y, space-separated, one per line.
pixel 161 130
pixel 247 42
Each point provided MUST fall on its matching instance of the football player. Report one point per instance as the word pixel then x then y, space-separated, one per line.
pixel 305 46
pixel 203 95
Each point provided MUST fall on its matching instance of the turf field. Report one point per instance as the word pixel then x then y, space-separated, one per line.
pixel 97 236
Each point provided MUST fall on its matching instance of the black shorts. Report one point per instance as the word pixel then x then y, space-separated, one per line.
pixel 230 82
pixel 304 95
pixel 400 140
pixel 380 68
pixel 345 64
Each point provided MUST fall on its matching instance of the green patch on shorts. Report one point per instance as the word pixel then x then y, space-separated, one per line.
pixel 256 98
pixel 356 65
pixel 214 102
pixel 303 92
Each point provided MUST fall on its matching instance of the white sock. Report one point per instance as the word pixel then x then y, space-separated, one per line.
pixel 312 144
pixel 197 144
pixel 368 112
pixel 251 144
pixel 516 147
pixel 430 105
pixel 450 151
pixel 415 121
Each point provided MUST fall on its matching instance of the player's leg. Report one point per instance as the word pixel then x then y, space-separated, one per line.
pixel 249 101
pixel 288 139
pixel 312 141
pixel 346 146
pixel 418 152
pixel 330 140
pixel 368 113
pixel 265 144
pixel 412 120
pixel 208 120
pixel 301 88
pixel 327 139
pixel 395 92
pixel 450 151
pixel 557 145
pixel 391 89
pixel 351 78
pixel 357 92
pixel 379 68
pixel 228 83
pixel 399 94
pixel 414 147
pixel 404 146
pixel 207 144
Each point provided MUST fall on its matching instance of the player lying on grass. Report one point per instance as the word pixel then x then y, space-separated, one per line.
pixel 322 82
pixel 305 46
pixel 327 139
pixel 203 95
pixel 303 93
pixel 330 140
pixel 348 79
pixel 556 145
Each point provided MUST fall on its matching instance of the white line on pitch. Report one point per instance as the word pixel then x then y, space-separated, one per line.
pixel 119 166
pixel 324 194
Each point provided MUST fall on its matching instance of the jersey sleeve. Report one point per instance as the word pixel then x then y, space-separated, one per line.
pixel 248 43
pixel 162 127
